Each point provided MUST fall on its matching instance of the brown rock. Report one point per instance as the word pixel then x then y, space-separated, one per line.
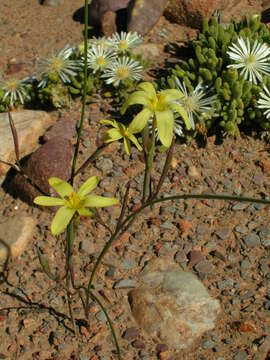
pixel 195 257
pixel 108 23
pixel 30 125
pixel 51 159
pixel 190 12
pixel 17 231
pixel 143 14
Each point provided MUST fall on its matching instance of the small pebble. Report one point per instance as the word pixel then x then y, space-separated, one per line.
pixel 252 240
pixel 204 267
pixel 125 283
pixel 208 344
pixel 138 344
pixel 241 355
pixel 131 333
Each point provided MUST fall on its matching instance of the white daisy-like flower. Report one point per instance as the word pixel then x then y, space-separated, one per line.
pixel 253 62
pixel 101 41
pixel 264 101
pixel 59 65
pixel 16 90
pixel 99 58
pixel 122 69
pixel 124 42
pixel 196 102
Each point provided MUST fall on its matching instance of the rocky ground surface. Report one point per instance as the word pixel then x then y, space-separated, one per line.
pixel 225 244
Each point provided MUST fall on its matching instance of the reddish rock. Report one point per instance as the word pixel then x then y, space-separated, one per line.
pixel 51 159
pixel 144 14
pixel 192 12
pixel 63 128
pixel 195 257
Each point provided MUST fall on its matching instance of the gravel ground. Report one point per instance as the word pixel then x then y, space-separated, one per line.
pixel 225 243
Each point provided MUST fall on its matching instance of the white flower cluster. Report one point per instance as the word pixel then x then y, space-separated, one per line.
pixel 111 57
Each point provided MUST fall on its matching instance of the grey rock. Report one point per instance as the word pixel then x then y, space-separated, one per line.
pixel 225 284
pixel 128 264
pixel 125 284
pixel 52 2
pixel 204 267
pixel 104 165
pixel 208 344
pixel 240 206
pixel 241 355
pixel 87 246
pixel 245 264
pixel 252 240
pixel 168 300
pixel 223 232
pixel 17 231
pixel 241 229
pixel 101 316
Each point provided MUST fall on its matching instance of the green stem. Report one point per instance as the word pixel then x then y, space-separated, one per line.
pixel 149 163
pixel 110 323
pixel 84 92
pixel 128 221
pixel 69 249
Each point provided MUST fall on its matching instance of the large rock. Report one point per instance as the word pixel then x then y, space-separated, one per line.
pixel 17 231
pixel 54 158
pixel 30 125
pixel 192 12
pixel 172 305
pixel 103 13
pixel 144 14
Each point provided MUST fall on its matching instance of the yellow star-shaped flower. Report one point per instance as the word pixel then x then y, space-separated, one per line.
pixel 118 132
pixel 72 202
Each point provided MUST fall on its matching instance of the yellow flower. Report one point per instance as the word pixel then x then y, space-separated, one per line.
pixel 161 106
pixel 72 202
pixel 118 132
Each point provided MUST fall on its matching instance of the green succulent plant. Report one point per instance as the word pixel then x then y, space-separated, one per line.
pixel 211 63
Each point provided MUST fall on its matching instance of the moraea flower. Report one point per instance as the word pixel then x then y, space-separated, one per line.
pixel 72 202
pixel 161 107
pixel 118 132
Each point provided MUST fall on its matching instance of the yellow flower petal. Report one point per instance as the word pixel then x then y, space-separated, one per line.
pixel 88 186
pixel 112 135
pixel 171 95
pixel 138 97
pixel 48 201
pixel 165 124
pixel 61 220
pixel 149 89
pixel 62 187
pixel 135 142
pixel 181 111
pixel 109 122
pixel 85 212
pixel 127 146
pixel 140 121
pixel 100 201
